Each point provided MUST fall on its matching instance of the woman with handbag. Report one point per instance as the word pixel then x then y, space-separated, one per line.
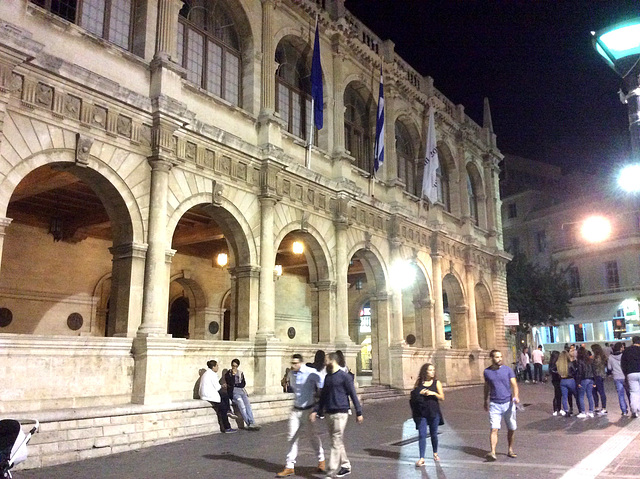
pixel 425 409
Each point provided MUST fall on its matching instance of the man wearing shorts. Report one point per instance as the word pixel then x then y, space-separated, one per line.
pixel 500 398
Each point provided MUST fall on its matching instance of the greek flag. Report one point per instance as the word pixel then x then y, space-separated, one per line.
pixel 431 162
pixel 316 82
pixel 379 146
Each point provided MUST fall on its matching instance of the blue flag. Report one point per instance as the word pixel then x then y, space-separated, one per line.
pixel 316 83
pixel 379 146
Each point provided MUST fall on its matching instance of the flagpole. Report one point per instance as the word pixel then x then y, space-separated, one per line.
pixel 307 160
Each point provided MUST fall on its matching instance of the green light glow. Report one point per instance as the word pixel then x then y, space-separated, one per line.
pixel 620 41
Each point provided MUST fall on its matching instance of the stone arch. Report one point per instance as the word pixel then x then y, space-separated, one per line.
pixel 323 269
pixel 452 287
pixel 114 193
pixel 101 295
pixel 486 317
pixel 359 122
pixel 197 303
pixel 232 222
pixel 447 176
pixel 407 149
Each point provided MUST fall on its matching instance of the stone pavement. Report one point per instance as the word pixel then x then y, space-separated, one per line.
pixel 385 446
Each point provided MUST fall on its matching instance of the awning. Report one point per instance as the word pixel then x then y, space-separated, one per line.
pixel 593 312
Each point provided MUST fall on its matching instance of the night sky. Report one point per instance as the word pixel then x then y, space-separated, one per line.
pixel 552 97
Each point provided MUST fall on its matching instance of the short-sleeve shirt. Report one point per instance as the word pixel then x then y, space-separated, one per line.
pixel 500 383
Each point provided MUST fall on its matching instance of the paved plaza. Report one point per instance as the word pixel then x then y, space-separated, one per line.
pixel 385 446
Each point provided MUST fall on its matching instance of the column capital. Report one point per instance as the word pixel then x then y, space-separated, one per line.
pixel 169 254
pixel 325 285
pixel 4 222
pixel 248 271
pixel 129 250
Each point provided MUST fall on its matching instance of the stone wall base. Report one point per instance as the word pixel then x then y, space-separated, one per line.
pixel 69 435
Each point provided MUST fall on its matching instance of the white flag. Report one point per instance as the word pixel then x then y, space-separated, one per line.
pixel 431 162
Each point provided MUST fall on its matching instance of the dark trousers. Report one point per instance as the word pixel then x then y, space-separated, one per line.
pixel 527 372
pixel 222 408
pixel 598 393
pixel 557 396
pixel 537 372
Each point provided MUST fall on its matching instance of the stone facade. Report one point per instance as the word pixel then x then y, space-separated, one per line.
pixel 148 149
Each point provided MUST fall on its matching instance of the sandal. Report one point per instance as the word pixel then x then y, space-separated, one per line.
pixel 512 455
pixel 491 457
pixel 420 462
pixel 436 457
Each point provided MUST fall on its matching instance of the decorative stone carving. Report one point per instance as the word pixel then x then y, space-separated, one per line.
pixel 191 151
pixel 6 316
pixel 304 221
pixel 71 107
pixel 123 126
pixel 225 165
pixel 99 117
pixel 15 84
pixel 44 95
pixel 216 197
pixel 145 135
pixel 209 159
pixel 242 171
pixel 83 149
pixel 74 321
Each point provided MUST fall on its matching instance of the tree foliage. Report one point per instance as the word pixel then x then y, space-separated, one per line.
pixel 540 295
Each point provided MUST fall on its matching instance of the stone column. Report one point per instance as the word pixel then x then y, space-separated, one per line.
pixel 424 322
pixel 246 299
pixel 167 28
pixel 127 287
pixel 168 259
pixel 266 297
pixel 459 327
pixel 155 299
pixel 326 291
pixel 268 93
pixel 338 99
pixel 396 329
pixel 4 223
pixel 342 287
pixel 471 304
pixel 438 310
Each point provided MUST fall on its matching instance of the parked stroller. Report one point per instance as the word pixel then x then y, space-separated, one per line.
pixel 13 443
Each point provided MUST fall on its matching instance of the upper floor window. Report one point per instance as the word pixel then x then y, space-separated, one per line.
pixel 108 19
pixel 514 245
pixel 574 280
pixel 293 88
pixel 473 200
pixel 209 48
pixel 513 210
pixel 444 196
pixel 613 280
pixel 357 134
pixel 407 171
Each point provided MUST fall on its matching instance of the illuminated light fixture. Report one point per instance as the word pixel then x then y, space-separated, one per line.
pixel 596 229
pixel 629 179
pixel 277 270
pixel 618 41
pixel 222 259
pixel 403 273
pixel 298 247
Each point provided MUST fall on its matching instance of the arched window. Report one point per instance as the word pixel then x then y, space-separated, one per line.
pixel 293 89
pixel 407 170
pixel 357 134
pixel 209 48
pixel 444 196
pixel 473 198
pixel 108 19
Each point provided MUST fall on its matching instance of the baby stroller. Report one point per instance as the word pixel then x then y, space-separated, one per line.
pixel 13 443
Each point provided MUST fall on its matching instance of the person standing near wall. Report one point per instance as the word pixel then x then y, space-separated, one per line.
pixel 599 373
pixel 538 360
pixel 630 363
pixel 525 364
pixel 334 400
pixel 613 363
pixel 210 390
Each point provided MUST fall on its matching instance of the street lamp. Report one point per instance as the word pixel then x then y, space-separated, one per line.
pixel 596 229
pixel 619 45
pixel 629 178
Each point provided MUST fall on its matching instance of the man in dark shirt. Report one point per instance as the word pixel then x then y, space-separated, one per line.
pixel 630 363
pixel 334 402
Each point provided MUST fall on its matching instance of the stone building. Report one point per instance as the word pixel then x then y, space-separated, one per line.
pixel 544 212
pixel 154 179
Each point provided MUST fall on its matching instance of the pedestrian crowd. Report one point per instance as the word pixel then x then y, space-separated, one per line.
pixel 324 388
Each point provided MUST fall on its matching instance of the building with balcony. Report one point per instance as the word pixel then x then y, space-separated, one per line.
pixel 159 207
pixel 543 214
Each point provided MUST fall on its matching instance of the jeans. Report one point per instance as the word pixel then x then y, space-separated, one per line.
pixel 433 434
pixel 526 372
pixel 599 391
pixel 537 372
pixel 557 396
pixel 299 420
pixel 567 385
pixel 241 400
pixel 586 386
pixel 634 389
pixel 622 395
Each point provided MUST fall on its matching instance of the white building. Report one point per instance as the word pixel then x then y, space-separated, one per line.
pixel 142 141
pixel 543 215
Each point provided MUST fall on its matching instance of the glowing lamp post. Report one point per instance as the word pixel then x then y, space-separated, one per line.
pixel 619 45
pixel 596 229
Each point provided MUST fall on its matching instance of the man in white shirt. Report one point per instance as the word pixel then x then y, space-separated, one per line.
pixel 305 382
pixel 210 390
pixel 538 360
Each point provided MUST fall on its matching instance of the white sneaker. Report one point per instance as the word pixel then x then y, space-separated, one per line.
pixel 581 415
pixel 590 414
pixel 562 413
pixel 555 413
pixel 526 381
pixel 603 412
